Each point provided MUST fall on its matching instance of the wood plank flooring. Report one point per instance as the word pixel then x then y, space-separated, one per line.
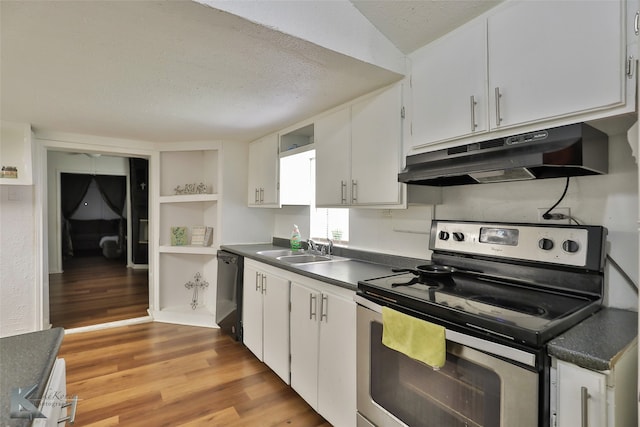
pixel 156 374
pixel 94 290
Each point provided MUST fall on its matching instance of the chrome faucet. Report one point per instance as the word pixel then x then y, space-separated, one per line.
pixel 328 248
pixel 312 246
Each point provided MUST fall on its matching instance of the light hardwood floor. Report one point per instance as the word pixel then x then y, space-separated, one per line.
pixel 94 290
pixel 156 374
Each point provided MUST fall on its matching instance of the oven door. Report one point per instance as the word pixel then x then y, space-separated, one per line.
pixel 473 388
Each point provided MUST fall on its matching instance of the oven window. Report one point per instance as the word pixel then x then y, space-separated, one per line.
pixel 461 393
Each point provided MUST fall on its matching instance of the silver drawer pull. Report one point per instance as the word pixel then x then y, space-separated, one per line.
pixel 312 306
pixel 584 406
pixel 324 307
pixel 71 418
pixel 474 125
pixel 498 96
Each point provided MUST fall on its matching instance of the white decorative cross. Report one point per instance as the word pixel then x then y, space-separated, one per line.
pixel 195 285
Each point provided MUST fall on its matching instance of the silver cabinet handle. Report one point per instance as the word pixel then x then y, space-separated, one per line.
pixel 261 195
pixel 474 125
pixel 71 418
pixel 636 23
pixel 263 282
pixel 354 191
pixel 255 195
pixel 258 280
pixel 498 96
pixel 312 306
pixel 584 406
pixel 343 192
pixel 324 307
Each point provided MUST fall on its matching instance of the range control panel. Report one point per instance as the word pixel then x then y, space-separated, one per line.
pixel 540 243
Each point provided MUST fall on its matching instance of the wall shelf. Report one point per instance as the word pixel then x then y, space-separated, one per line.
pixel 175 266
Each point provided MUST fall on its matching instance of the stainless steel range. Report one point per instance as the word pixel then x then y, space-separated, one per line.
pixel 501 291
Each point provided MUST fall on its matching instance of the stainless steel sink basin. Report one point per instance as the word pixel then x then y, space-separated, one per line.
pixel 275 253
pixel 299 257
pixel 304 258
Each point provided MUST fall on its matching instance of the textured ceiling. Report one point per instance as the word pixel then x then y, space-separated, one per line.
pixel 180 70
pixel 412 24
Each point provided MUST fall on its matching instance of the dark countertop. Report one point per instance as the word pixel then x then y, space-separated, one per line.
pixel 360 266
pixel 597 342
pixel 26 360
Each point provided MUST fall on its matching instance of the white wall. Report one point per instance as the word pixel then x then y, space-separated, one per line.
pixel 19 301
pixel 239 223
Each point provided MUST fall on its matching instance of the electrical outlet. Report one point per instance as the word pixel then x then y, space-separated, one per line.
pixel 566 219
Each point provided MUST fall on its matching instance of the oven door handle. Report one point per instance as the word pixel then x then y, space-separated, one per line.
pixel 497 349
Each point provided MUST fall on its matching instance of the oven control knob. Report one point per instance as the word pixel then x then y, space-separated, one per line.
pixel 458 237
pixel 444 235
pixel 545 244
pixel 570 246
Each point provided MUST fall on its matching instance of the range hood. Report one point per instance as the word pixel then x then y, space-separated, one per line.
pixel 572 150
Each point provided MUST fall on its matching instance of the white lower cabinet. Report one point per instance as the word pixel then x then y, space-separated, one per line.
pixel 596 398
pixel 265 316
pixel 323 349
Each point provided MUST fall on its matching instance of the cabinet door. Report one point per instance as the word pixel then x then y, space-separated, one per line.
pixel 263 172
pixel 553 58
pixel 255 171
pixel 332 135
pixel 305 305
pixel 572 380
pixel 376 141
pixel 252 311
pixel 275 291
pixel 337 363
pixel 449 85
pixel 270 161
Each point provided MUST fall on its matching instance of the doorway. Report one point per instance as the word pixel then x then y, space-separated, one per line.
pixel 99 255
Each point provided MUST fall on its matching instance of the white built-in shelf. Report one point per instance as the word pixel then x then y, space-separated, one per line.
pixel 189 198
pixel 185 315
pixel 188 249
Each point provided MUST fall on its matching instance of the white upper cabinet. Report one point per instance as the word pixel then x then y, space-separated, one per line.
pixel 333 158
pixel 263 172
pixel 554 58
pixel 449 82
pixel 376 141
pixel 524 65
pixel 358 153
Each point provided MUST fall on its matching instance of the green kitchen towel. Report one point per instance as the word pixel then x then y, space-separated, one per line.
pixel 418 339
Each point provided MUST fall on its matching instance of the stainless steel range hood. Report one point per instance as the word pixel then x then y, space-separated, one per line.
pixel 572 150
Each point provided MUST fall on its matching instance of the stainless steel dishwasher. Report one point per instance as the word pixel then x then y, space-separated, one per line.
pixel 229 293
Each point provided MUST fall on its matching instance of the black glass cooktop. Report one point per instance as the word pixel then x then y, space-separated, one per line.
pixel 508 309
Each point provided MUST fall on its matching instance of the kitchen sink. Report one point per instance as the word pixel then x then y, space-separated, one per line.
pixel 275 253
pixel 304 258
pixel 299 257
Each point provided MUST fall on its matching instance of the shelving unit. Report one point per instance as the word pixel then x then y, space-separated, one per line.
pixel 178 265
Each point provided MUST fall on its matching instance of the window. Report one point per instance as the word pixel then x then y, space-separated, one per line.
pixel 327 223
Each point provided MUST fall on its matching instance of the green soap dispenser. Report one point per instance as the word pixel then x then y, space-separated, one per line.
pixel 295 239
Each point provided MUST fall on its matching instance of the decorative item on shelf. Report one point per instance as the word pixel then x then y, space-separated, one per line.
pixel 197 235
pixel 192 189
pixel 201 235
pixel 196 285
pixel 9 172
pixel 208 237
pixel 178 236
